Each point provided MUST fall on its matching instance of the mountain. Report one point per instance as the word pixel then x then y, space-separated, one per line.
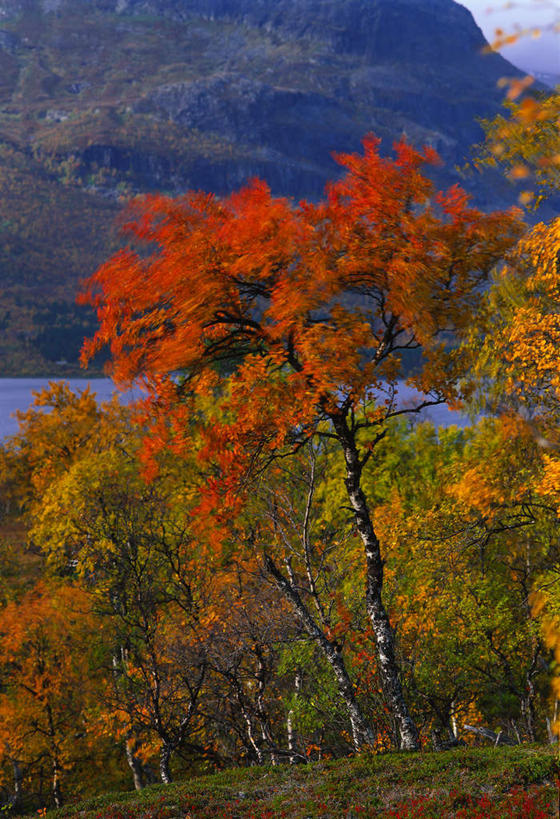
pixel 103 99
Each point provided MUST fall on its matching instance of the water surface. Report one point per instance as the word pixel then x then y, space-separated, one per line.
pixel 17 394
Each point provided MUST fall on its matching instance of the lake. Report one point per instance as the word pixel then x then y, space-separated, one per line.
pixel 17 394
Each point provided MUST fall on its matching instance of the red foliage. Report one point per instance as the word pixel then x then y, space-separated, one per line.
pixel 308 305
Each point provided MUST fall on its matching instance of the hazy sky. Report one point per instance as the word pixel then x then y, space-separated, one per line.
pixel 536 54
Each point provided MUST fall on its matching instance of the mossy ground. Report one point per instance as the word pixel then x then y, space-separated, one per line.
pixel 501 782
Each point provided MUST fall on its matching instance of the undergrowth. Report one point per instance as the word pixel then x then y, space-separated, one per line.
pixel 464 783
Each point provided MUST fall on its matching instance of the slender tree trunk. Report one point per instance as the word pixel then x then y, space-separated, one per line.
pixel 362 735
pixel 552 736
pixel 266 733
pixel 18 783
pixel 250 731
pixel 56 791
pixel 267 739
pixel 164 760
pixel 291 737
pixel 56 768
pixel 528 712
pixel 453 721
pixel 295 756
pixel 528 701
pixel 133 762
pixel 384 635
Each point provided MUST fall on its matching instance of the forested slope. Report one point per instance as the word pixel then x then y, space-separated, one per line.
pixel 101 100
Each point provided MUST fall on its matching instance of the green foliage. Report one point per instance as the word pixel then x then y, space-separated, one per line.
pixel 316 703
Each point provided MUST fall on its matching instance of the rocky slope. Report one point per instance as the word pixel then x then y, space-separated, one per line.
pixel 101 99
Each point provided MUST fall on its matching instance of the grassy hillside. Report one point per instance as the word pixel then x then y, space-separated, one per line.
pixel 496 782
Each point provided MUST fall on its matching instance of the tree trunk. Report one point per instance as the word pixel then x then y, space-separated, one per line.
pixel 453 721
pixel 362 735
pixel 552 735
pixel 266 733
pixel 57 794
pixel 18 789
pixel 291 737
pixel 384 635
pixel 164 759
pixel 56 768
pixel 528 701
pixel 528 713
pixel 295 756
pixel 133 762
pixel 250 731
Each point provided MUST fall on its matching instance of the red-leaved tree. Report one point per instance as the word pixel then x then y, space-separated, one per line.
pixel 296 317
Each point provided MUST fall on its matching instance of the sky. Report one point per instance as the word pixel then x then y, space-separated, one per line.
pixel 540 54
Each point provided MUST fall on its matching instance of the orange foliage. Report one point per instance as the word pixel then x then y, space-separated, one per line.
pixel 48 684
pixel 309 305
pixel 525 329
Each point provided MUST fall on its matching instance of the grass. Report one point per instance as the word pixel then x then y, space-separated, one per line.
pixel 476 782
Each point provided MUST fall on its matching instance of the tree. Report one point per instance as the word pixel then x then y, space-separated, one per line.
pixel 468 537
pixel 49 686
pixel 54 432
pixel 307 560
pixel 76 473
pixel 247 626
pixel 129 543
pixel 525 144
pixel 515 344
pixel 311 307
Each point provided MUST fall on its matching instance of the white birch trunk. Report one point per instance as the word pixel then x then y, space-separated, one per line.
pixel 362 735
pixel 384 635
